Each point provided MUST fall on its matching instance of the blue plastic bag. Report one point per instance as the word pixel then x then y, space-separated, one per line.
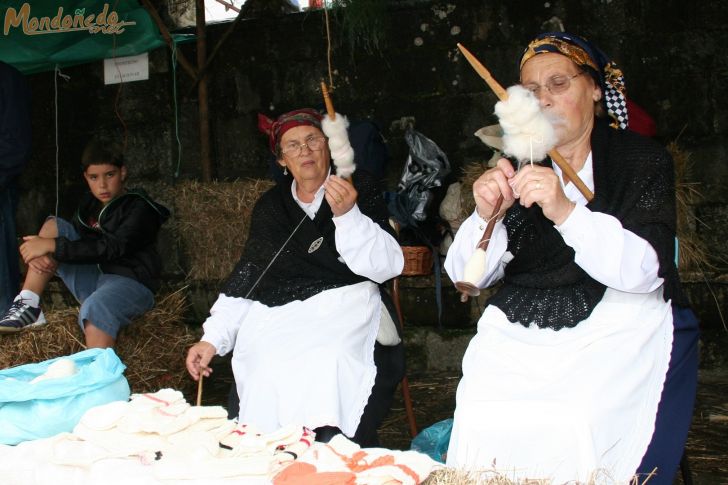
pixel 30 411
pixel 433 441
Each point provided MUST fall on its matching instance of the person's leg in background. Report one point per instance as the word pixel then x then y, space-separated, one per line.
pixel 9 265
pixel 390 370
pixel 112 305
pixel 675 410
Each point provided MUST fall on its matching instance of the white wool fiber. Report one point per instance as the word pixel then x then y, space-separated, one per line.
pixel 475 267
pixel 341 151
pixel 528 135
pixel 60 368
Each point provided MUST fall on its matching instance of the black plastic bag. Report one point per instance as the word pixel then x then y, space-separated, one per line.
pixel 426 167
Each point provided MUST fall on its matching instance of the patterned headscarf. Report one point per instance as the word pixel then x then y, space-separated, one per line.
pixel 588 57
pixel 286 121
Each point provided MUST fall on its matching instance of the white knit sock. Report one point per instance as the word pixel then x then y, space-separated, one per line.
pixel 30 297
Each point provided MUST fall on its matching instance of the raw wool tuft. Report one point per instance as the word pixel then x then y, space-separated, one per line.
pixel 527 134
pixel 341 151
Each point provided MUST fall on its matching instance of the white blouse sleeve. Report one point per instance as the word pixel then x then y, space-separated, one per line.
pixel 367 249
pixel 466 240
pixel 226 316
pixel 610 254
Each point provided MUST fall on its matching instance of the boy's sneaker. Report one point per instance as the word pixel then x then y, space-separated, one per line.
pixel 20 316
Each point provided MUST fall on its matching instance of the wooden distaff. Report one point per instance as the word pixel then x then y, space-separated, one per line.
pixel 329 108
pixel 569 173
pixel 327 101
pixel 466 288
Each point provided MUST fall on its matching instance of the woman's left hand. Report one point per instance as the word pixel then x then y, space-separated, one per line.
pixel 340 194
pixel 541 185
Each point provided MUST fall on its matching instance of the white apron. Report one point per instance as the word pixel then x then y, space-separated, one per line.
pixel 308 362
pixel 538 403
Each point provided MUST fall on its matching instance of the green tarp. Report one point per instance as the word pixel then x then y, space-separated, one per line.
pixel 40 34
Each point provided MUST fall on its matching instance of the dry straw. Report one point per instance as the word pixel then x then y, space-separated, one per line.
pixel 471 172
pixel 212 221
pixel 453 476
pixel 153 347
pixel 693 254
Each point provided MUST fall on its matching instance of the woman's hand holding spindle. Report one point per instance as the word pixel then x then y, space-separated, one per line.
pixel 491 185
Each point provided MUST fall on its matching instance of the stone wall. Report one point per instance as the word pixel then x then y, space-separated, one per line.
pixel 671 53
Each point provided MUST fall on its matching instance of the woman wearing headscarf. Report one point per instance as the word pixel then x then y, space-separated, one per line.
pixel 302 309
pixel 585 359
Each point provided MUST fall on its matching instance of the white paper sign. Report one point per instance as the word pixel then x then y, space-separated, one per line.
pixel 126 69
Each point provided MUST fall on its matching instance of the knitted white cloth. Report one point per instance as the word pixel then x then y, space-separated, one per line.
pixel 342 461
pixel 173 440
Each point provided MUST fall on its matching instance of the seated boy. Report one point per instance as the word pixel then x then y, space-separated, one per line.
pixel 106 257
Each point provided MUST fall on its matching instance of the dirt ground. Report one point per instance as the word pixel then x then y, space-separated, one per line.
pixel 433 397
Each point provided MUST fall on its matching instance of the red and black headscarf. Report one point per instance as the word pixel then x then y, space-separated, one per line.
pixel 286 121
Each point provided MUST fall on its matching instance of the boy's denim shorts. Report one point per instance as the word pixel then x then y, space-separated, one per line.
pixel 109 301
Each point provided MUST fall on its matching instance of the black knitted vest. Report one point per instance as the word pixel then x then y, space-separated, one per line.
pixel 309 262
pixel 634 182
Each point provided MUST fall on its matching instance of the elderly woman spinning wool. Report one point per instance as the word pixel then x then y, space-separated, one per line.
pixel 585 360
pixel 303 309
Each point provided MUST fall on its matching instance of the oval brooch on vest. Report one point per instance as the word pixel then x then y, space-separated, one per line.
pixel 315 245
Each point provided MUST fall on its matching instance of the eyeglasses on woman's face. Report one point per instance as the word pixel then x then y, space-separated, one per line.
pixel 555 85
pixel 294 149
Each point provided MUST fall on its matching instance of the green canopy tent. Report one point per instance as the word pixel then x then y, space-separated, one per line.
pixel 40 35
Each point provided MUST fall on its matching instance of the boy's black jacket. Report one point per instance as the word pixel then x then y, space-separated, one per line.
pixel 124 242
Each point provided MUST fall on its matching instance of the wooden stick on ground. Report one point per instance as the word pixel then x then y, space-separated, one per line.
pixel 199 390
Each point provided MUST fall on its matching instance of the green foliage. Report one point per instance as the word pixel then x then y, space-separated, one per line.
pixel 363 22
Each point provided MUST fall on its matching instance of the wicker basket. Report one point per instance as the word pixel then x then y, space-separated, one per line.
pixel 417 260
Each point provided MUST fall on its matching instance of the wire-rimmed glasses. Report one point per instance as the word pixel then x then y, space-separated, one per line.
pixel 294 149
pixel 555 85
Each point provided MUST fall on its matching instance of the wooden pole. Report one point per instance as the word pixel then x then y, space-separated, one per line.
pixel 168 38
pixel 202 99
pixel 203 70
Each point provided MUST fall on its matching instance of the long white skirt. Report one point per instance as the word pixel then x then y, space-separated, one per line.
pixel 308 362
pixel 564 405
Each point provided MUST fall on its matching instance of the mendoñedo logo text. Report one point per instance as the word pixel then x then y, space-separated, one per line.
pixel 105 22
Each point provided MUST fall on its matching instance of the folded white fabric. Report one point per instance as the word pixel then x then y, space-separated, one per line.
pixel 178 441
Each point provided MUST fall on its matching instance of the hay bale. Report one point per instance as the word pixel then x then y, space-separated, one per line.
pixel 153 347
pixel 212 221
pixel 471 172
pixel 693 251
